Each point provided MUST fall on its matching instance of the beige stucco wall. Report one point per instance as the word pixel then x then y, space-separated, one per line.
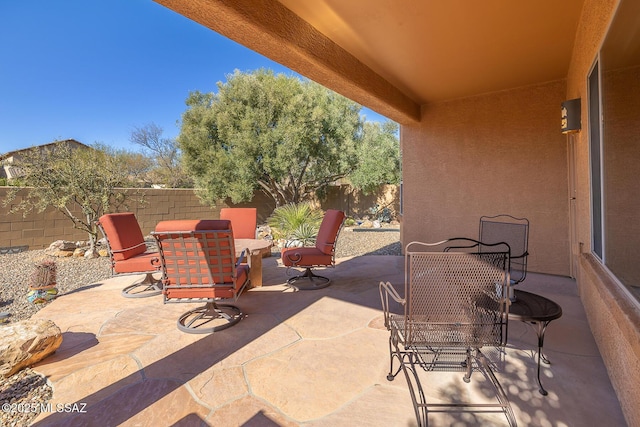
pixel 498 153
pixel 614 317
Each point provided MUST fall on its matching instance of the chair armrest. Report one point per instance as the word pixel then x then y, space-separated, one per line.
pixel 387 290
pixel 156 263
pixel 240 259
pixel 524 255
pixel 127 249
pixel 327 245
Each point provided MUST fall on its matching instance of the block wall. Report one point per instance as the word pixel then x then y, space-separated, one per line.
pixel 38 229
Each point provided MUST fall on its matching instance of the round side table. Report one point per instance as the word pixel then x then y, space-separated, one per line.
pixel 538 311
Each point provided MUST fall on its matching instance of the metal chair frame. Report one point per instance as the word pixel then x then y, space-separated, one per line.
pixel 455 303
pixel 201 262
pixel 515 232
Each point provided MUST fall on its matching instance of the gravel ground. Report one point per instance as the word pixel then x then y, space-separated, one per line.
pixel 28 388
pixel 16 270
pixel 368 241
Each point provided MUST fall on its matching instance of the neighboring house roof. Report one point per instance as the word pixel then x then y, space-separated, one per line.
pixel 7 160
pixel 14 152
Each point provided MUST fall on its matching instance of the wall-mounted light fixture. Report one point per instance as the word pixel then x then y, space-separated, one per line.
pixel 571 116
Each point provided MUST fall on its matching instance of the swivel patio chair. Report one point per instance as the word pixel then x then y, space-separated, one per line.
pixel 243 220
pixel 513 231
pixel 320 255
pixel 199 264
pixel 454 305
pixel 129 254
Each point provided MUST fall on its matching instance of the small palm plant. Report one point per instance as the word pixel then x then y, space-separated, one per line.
pixel 296 222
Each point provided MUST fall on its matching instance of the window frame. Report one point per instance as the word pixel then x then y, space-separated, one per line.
pixel 596 161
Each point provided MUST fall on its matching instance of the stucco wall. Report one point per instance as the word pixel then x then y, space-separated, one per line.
pixel 614 317
pixel 498 153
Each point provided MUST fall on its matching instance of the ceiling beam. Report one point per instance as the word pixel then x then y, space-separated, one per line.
pixel 269 28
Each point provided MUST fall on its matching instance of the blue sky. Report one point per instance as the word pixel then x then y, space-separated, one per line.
pixel 92 70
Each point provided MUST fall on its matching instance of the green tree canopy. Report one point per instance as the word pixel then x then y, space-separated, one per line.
pixel 82 183
pixel 378 157
pixel 285 136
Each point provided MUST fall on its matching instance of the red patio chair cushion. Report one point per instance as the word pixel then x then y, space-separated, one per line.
pixel 123 231
pixel 322 253
pixel 244 221
pixel 147 261
pixel 303 257
pixel 328 233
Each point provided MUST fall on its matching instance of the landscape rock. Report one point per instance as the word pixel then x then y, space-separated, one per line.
pixel 63 253
pixel 90 254
pixel 264 232
pixel 63 245
pixel 79 252
pixel 26 342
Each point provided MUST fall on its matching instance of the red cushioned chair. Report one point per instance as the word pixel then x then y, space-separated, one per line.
pixel 129 254
pixel 244 221
pixel 321 255
pixel 199 264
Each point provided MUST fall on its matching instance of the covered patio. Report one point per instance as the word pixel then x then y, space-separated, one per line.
pixel 477 88
pixel 316 358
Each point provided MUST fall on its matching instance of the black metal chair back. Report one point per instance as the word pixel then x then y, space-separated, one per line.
pixel 513 231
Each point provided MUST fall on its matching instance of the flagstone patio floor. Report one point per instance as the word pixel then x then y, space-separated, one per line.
pixel 306 358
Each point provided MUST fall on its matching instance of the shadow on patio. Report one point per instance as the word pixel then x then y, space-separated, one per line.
pixel 317 358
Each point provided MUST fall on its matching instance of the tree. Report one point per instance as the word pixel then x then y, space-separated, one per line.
pixel 88 180
pixel 165 156
pixel 288 137
pixel 378 157
pixel 136 166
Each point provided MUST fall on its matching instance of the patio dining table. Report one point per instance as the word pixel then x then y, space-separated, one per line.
pixel 258 248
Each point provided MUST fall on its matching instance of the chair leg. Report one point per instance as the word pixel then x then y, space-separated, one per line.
pixel 412 362
pixel 393 344
pixel 415 390
pixel 501 396
pixel 148 287
pixel 209 318
pixel 309 281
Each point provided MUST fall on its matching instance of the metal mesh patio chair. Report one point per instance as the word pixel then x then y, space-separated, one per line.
pixel 199 265
pixel 454 305
pixel 515 232
pixel 129 254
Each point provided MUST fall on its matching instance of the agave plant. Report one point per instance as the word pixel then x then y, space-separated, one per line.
pixel 296 222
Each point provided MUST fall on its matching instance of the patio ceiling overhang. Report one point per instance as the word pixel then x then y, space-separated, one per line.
pixel 394 57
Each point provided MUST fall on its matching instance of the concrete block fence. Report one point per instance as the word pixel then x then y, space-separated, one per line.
pixel 38 230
